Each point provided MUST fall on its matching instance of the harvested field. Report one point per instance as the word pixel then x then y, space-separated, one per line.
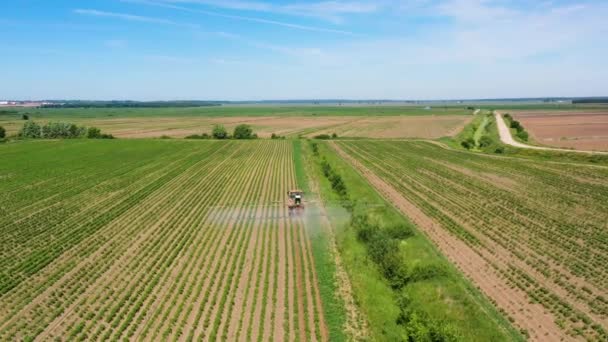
pixel 123 126
pixel 430 127
pixel 530 234
pixel 577 130
pixel 153 240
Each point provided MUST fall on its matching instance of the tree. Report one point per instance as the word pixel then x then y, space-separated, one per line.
pixel 31 130
pixel 243 131
pixel 2 132
pixel 469 143
pixel 93 133
pixel 219 132
pixel 25 117
pixel 523 135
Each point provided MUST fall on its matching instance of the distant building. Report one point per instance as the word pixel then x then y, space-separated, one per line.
pixel 3 103
pixel 427 107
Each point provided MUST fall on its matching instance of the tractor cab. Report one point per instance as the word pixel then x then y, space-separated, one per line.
pixel 295 199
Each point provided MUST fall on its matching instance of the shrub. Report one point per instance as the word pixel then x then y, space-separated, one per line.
pixel 243 131
pixel 499 150
pixel 2 132
pixel 399 231
pixel 322 137
pixel 468 143
pixel 523 135
pixel 95 133
pixel 198 136
pixel 219 132
pixel 425 272
pixel 485 141
pixel 31 130
pixel 334 136
pixel 515 124
pixel 25 117
pixel 315 148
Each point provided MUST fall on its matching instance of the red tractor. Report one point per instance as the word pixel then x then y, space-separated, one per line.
pixel 295 201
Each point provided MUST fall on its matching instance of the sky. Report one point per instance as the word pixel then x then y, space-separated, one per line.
pixel 262 49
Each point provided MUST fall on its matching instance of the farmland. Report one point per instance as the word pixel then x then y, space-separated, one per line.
pixel 380 121
pixel 531 234
pixel 567 129
pixel 154 240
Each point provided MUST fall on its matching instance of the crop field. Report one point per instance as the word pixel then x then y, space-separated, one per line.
pixel 530 234
pixel 582 130
pixel 156 240
pixel 385 121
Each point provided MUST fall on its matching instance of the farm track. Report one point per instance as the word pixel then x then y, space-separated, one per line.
pixel 180 247
pixel 519 241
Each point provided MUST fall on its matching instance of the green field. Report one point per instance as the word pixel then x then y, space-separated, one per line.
pixel 518 215
pixel 401 239
pixel 228 111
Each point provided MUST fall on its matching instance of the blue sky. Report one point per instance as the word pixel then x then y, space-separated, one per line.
pixel 252 50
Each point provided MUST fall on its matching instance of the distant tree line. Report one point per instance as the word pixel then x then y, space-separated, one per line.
pixel 60 130
pixel 591 100
pixel 130 104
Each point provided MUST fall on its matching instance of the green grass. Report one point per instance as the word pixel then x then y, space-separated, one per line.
pixel 228 111
pixel 449 298
pixel 333 306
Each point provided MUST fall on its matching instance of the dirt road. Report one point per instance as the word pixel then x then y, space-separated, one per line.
pixel 506 138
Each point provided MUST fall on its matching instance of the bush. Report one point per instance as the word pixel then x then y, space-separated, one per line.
pixel 399 232
pixel 243 131
pixel 31 130
pixel 276 136
pixel 2 132
pixel 499 150
pixel 198 136
pixel 95 133
pixel 219 132
pixel 523 135
pixel 515 124
pixel 485 141
pixel 25 117
pixel 425 272
pixel 468 143
pixel 322 137
pixel 334 136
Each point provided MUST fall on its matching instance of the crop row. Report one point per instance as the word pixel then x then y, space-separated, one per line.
pixel 517 215
pixel 197 246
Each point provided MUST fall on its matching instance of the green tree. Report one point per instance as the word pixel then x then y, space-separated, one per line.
pixel 243 131
pixel 93 133
pixel 523 135
pixel 2 132
pixel 219 132
pixel 31 130
pixel 25 117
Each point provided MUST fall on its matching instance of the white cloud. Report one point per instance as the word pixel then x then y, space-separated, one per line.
pixel 131 17
pixel 167 4
pixel 328 10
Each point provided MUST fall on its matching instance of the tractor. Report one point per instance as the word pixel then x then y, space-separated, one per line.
pixel 295 202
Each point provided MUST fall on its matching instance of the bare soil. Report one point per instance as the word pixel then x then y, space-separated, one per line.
pixel 576 130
